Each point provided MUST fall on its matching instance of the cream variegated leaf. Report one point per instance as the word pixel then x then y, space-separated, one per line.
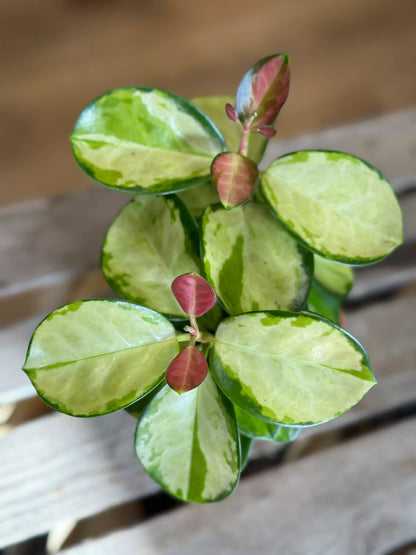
pixel 138 139
pixel 334 203
pixel 151 242
pixel 93 357
pixel 252 262
pixel 189 443
pixel 289 368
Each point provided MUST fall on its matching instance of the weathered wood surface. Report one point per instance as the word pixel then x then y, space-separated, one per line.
pixel 355 499
pixel 58 466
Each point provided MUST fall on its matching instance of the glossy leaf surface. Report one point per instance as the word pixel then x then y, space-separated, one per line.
pixel 137 409
pixel 263 90
pixel 139 139
pixel 235 176
pixel 250 260
pixel 255 428
pixel 323 302
pixel 151 241
pixel 187 370
pixel 336 204
pixel 199 197
pixel 214 108
pixel 334 277
pixel 94 357
pixel 289 368
pixel 245 447
pixel 194 294
pixel 189 444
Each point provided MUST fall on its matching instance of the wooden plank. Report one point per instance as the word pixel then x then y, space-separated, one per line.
pixel 358 498
pixel 57 466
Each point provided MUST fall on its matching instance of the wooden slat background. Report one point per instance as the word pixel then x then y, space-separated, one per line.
pixel 351 59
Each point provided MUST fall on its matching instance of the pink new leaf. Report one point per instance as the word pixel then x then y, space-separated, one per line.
pixel 187 370
pixel 234 175
pixel 231 113
pixel 267 131
pixel 263 91
pixel 194 294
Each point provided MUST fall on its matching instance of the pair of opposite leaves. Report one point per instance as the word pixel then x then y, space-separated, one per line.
pixel 196 297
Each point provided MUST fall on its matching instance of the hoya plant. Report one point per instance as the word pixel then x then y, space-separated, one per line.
pixel 231 281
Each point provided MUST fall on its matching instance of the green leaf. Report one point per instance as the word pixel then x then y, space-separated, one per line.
pixel 255 428
pixel 189 443
pixel 214 108
pixel 250 260
pixel 324 302
pixel 334 277
pixel 145 140
pixel 245 448
pixel 93 357
pixel 151 242
pixel 199 197
pixel 336 204
pixel 289 368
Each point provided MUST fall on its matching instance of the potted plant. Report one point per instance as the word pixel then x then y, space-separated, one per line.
pixel 231 281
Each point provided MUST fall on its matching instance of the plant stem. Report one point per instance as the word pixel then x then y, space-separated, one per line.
pixel 243 149
pixel 183 337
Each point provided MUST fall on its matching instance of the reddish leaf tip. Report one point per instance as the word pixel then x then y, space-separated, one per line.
pixel 187 370
pixel 266 131
pixel 231 113
pixel 194 294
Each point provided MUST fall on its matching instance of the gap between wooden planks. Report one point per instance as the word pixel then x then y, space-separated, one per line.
pixel 355 499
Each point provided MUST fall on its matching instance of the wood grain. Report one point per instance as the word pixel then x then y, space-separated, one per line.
pixel 350 61
pixel 355 499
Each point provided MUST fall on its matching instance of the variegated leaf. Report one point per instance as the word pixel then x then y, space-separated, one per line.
pixel 187 370
pixel 94 357
pixel 138 139
pixel 252 263
pixel 189 443
pixel 137 408
pixel 336 204
pixel 235 176
pixel 263 91
pixel 194 294
pixel 255 428
pixel 334 277
pixel 152 241
pixel 214 108
pixel 289 368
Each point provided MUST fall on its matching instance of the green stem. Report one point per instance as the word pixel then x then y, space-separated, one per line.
pixel 183 337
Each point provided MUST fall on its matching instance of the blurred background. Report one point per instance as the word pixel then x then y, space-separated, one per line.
pixel 350 60
pixel 64 480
